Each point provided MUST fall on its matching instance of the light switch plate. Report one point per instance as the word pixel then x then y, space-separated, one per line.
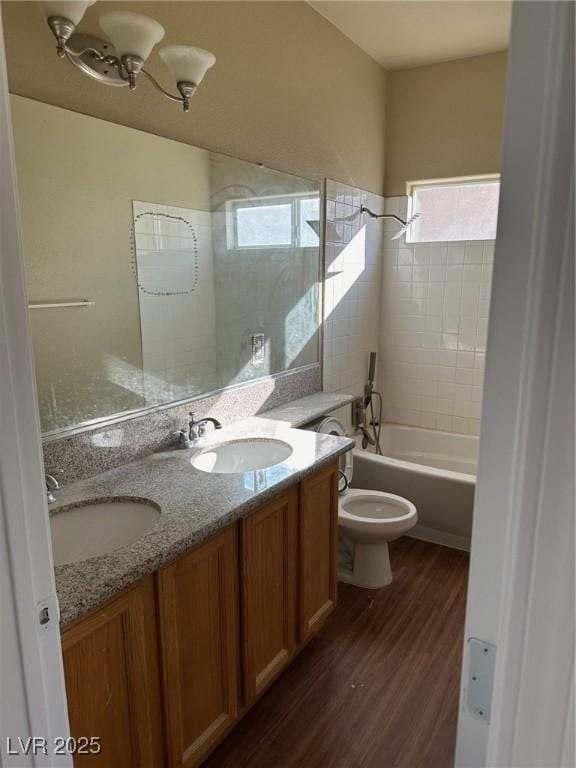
pixel 258 348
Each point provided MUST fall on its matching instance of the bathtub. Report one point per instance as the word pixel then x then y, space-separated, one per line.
pixel 434 470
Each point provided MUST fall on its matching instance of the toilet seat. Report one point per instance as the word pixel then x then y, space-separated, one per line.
pixel 376 512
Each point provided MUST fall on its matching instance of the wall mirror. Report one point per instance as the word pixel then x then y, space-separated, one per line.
pixel 157 271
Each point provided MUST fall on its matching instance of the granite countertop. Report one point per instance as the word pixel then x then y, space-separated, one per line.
pixel 193 504
pixel 307 409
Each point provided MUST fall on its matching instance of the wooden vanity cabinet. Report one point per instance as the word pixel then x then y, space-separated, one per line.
pixel 193 651
pixel 198 596
pixel 112 682
pixel 269 568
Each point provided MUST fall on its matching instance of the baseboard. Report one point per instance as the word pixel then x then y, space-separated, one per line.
pixel 440 537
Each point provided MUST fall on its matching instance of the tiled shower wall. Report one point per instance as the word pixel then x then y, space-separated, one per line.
pixel 423 307
pixel 353 261
pixel 435 301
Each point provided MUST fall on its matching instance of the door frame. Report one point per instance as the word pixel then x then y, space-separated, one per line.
pixel 33 700
pixel 521 589
pixel 517 563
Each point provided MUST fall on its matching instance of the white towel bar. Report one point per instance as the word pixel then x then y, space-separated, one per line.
pixel 58 304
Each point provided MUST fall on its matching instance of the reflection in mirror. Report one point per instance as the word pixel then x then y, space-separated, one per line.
pixel 157 271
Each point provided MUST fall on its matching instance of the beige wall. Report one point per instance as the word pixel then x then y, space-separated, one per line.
pixel 444 120
pixel 288 89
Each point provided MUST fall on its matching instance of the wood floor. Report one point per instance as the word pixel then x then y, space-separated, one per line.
pixel 378 687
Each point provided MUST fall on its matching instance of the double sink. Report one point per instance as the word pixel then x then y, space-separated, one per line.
pixel 94 528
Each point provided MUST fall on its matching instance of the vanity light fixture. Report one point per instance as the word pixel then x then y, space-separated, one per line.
pixel 119 60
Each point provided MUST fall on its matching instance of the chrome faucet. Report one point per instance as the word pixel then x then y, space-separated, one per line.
pixel 198 428
pixel 51 485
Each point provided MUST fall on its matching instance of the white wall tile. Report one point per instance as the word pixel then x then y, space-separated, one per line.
pixel 423 308
pixel 435 304
pixel 354 257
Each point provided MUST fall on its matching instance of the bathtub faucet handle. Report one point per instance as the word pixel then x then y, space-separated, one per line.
pixel 366 436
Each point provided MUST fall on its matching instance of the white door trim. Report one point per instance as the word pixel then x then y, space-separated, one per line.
pixel 32 698
pixel 521 592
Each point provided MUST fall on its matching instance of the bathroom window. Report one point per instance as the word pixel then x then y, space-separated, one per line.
pixel 281 222
pixel 459 209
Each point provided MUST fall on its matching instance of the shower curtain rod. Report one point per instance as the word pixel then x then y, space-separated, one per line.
pixel 364 209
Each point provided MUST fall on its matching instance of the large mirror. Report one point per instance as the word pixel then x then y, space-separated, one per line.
pixel 157 271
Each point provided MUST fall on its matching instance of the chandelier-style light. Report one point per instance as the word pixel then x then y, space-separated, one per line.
pixel 119 59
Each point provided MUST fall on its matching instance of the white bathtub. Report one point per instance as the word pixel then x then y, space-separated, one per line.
pixel 434 470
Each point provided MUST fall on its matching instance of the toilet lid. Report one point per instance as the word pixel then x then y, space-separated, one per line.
pixel 332 426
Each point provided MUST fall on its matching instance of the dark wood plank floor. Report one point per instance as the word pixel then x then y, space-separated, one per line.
pixel 378 687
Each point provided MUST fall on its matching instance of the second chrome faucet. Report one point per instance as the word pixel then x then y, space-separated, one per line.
pixel 196 430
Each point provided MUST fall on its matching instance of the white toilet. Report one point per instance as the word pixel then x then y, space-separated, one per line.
pixel 367 521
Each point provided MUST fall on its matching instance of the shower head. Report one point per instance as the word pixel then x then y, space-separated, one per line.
pixel 406 227
pixel 369 386
pixel 314 225
pixel 372 366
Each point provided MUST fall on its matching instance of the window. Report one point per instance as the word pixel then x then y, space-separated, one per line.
pixel 461 209
pixel 275 222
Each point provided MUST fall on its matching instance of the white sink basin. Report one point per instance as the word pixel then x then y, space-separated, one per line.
pixel 242 456
pixel 95 528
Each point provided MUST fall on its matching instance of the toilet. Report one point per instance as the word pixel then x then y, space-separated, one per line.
pixel 367 521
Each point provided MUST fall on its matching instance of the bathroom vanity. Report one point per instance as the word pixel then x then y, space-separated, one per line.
pixel 162 670
pixel 202 638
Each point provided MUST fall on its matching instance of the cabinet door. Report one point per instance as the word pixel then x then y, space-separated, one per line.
pixel 318 549
pixel 199 636
pixel 112 683
pixel 269 591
